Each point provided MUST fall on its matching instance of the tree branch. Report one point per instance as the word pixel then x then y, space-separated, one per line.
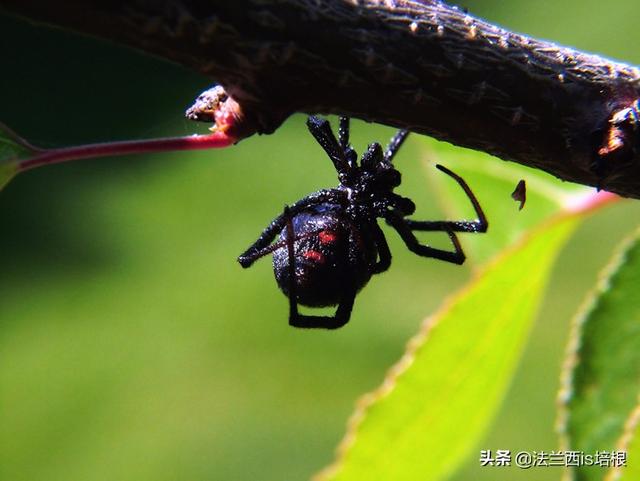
pixel 421 65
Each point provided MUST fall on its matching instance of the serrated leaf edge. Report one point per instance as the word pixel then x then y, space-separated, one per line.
pixel 628 433
pixel 417 342
pixel 572 359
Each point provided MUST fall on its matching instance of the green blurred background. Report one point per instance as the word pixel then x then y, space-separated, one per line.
pixel 134 347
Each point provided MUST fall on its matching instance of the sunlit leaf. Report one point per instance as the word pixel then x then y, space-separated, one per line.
pixel 455 372
pixel 602 374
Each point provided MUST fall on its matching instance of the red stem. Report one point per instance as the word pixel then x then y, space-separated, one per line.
pixel 194 142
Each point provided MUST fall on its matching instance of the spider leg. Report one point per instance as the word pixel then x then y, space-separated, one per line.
pixel 343 133
pixel 384 254
pixel 479 225
pixel 400 224
pixel 372 157
pixel 321 131
pixel 402 204
pixel 278 245
pixel 343 140
pixel 394 144
pixel 343 313
pixel 342 316
pixel 261 247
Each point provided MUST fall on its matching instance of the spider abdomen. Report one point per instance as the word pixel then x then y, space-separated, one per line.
pixel 332 256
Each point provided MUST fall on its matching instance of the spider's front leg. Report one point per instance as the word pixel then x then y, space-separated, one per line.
pixel 321 131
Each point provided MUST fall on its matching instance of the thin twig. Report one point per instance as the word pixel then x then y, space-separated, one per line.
pixel 194 142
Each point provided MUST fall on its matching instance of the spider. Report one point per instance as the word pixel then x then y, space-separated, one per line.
pixel 330 243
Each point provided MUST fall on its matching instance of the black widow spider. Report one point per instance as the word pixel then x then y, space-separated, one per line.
pixel 330 243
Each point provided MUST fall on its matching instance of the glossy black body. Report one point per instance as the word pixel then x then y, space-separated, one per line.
pixel 323 264
pixel 330 244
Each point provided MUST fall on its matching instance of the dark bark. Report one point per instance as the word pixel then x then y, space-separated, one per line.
pixel 421 65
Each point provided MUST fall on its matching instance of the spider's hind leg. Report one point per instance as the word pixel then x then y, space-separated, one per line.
pixel 343 312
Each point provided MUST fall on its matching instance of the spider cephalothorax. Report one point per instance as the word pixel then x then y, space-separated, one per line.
pixel 330 243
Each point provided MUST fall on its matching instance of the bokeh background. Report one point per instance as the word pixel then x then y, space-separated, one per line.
pixel 134 347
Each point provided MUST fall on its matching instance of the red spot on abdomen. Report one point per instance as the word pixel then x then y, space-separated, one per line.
pixel 327 237
pixel 314 256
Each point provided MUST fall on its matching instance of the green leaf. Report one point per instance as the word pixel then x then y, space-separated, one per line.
pixel 455 372
pixel 7 171
pixel 602 373
pixel 629 443
pixel 12 150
